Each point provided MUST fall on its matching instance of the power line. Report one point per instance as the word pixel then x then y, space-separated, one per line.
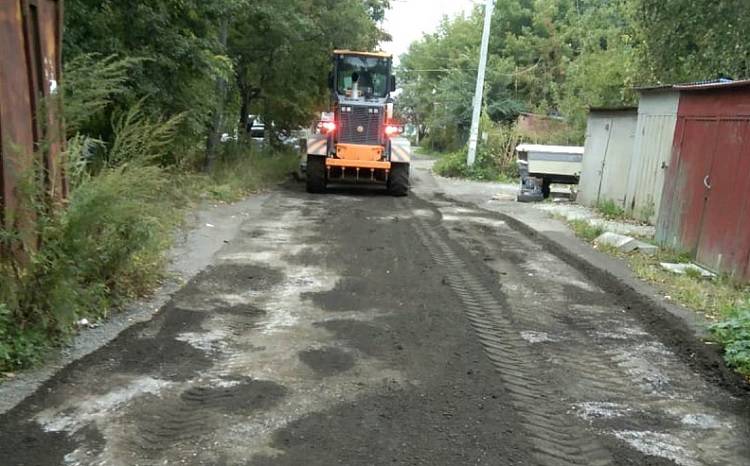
pixel 448 70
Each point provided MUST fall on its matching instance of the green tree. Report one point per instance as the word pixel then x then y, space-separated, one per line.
pixel 546 56
pixel 688 40
pixel 281 51
pixel 205 59
pixel 176 41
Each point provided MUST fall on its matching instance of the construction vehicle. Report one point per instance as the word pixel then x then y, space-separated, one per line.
pixel 358 140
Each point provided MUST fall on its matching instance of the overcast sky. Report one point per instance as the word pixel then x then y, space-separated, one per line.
pixel 408 20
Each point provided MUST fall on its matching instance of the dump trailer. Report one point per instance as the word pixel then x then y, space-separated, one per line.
pixel 359 141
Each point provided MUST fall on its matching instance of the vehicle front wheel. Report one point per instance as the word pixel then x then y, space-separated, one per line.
pixel 398 181
pixel 316 174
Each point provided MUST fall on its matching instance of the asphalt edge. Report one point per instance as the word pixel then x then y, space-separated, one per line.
pixel 682 328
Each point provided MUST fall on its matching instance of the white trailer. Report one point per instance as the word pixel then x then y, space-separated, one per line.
pixel 542 165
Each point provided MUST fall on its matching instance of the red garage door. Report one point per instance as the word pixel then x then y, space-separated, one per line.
pixel 724 236
pixel 706 199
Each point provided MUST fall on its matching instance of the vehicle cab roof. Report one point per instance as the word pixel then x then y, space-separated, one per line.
pixel 364 54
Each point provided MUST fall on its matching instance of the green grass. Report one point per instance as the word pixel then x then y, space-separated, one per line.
pixel 610 210
pixel 584 229
pixel 453 165
pixel 421 150
pixel 716 299
pixel 240 172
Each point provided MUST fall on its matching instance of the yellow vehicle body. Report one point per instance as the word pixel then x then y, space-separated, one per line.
pixel 357 140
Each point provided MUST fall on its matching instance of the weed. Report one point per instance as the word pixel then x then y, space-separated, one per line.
pixel 128 191
pixel 91 84
pixel 647 212
pixel 107 246
pixel 584 229
pixel 713 298
pixel 734 334
pixel 454 165
pixel 243 169
pixel 18 346
pixel 610 210
pixel 695 274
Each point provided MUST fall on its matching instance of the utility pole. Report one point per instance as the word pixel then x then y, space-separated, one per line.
pixel 474 135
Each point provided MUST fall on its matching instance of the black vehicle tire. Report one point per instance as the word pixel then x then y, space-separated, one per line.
pixel 529 198
pixel 546 188
pixel 316 174
pixel 398 181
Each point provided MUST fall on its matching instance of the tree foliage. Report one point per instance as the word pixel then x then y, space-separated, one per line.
pixel 273 55
pixel 281 52
pixel 561 57
pixel 689 40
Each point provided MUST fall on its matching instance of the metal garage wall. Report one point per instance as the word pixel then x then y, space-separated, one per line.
pixel 705 207
pixel 657 117
pixel 30 33
pixel 610 136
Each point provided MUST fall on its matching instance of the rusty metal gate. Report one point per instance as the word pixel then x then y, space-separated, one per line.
pixel 30 130
pixel 706 198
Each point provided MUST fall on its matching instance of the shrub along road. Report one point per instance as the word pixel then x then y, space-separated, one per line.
pixel 356 328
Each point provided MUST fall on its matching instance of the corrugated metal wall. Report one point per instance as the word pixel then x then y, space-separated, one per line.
pixel 706 201
pixel 610 136
pixel 657 117
pixel 30 34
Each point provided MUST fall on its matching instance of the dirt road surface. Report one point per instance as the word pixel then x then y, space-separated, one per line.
pixel 356 328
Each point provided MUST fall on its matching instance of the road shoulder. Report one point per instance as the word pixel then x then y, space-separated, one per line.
pixel 206 230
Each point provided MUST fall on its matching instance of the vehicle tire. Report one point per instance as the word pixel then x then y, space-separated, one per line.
pixel 546 188
pixel 398 181
pixel 316 174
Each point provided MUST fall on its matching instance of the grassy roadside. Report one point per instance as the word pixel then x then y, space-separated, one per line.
pixel 721 300
pixel 453 165
pixel 108 246
pixel 132 175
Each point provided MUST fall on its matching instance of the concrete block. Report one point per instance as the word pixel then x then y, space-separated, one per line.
pixel 682 269
pixel 616 240
pixel 626 243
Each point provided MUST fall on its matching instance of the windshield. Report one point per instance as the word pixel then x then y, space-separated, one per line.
pixel 363 77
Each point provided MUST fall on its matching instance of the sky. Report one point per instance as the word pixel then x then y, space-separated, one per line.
pixel 408 20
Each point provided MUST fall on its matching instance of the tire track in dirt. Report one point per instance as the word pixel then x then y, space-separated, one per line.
pixel 553 433
pixel 653 402
pixel 606 369
pixel 197 411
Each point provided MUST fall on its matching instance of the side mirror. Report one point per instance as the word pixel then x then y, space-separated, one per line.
pixel 393 83
pixel 330 80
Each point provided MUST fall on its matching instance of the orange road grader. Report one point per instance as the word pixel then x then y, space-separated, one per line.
pixel 358 141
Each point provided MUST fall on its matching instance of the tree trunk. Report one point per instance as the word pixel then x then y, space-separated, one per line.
pixel 421 132
pixel 244 113
pixel 214 130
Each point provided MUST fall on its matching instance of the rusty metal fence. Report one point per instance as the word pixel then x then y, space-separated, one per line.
pixel 31 135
